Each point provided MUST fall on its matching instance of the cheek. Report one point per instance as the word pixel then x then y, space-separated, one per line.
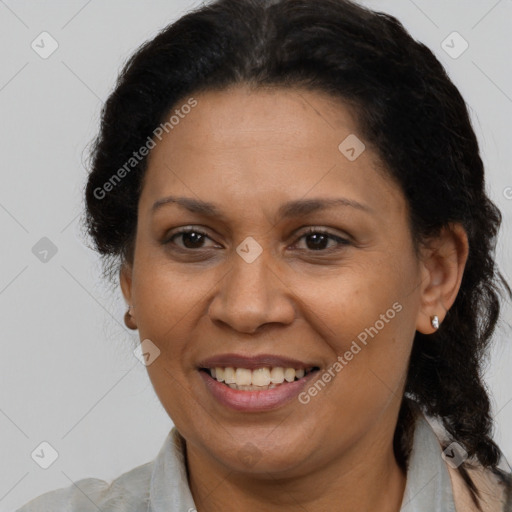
pixel 167 297
pixel 356 298
pixel 173 391
pixel 367 317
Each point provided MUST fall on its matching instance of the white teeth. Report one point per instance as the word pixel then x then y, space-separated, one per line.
pixel 229 375
pixel 289 375
pixel 262 378
pixel 277 375
pixel 252 387
pixel 243 377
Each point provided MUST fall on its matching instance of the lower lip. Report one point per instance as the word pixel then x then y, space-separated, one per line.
pixel 255 401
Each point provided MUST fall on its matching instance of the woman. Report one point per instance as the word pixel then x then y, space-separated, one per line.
pixel 292 196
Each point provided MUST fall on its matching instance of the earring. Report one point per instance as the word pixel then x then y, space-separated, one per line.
pixel 434 320
pixel 128 320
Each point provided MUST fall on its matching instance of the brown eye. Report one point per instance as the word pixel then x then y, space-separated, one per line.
pixel 191 238
pixel 318 239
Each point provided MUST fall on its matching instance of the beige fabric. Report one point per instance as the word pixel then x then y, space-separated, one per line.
pixel 492 492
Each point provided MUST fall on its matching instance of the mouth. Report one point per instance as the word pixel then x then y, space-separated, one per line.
pixel 258 383
pixel 257 379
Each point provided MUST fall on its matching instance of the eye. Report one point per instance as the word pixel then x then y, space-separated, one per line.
pixel 318 238
pixel 192 238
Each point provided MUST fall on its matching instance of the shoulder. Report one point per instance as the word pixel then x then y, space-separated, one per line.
pixel 127 493
pixel 494 490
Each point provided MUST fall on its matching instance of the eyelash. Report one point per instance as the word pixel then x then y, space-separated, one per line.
pixel 310 231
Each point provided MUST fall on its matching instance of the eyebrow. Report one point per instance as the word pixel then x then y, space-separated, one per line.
pixel 297 208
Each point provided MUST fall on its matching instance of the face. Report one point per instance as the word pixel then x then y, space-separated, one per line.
pixel 345 297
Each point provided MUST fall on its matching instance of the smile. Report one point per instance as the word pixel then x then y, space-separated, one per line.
pixel 258 379
pixel 243 395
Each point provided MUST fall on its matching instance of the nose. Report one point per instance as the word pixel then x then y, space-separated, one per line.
pixel 252 295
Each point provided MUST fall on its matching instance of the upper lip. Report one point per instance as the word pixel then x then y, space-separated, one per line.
pixel 251 363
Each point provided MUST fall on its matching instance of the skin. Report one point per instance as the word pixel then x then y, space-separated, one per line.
pixel 249 151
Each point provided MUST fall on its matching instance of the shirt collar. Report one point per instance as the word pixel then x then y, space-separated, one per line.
pixel 169 489
pixel 428 487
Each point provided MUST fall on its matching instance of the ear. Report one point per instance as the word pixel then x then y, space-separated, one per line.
pixel 442 267
pixel 125 280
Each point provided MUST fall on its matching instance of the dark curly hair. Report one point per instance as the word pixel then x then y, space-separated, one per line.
pixel 408 111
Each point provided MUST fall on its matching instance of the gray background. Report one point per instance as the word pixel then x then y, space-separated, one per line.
pixel 69 376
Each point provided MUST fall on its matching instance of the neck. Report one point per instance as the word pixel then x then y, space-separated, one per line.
pixel 367 477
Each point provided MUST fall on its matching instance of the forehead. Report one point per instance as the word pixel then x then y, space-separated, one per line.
pixel 239 115
pixel 246 144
